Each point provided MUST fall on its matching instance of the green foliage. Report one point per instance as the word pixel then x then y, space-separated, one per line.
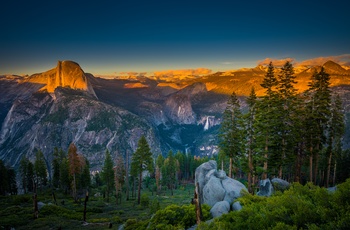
pixel 54 210
pixel 58 117
pixel 145 200
pixel 107 173
pixel 300 207
pixel 40 169
pixel 102 120
pixel 14 216
pixel 154 206
pixel 177 217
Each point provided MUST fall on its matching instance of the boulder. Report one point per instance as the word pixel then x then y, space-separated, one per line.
pixel 41 204
pixel 220 208
pixel 200 175
pixel 236 206
pixel 265 188
pixel 280 184
pixel 221 174
pixel 332 189
pixel 233 189
pixel 209 174
pixel 213 191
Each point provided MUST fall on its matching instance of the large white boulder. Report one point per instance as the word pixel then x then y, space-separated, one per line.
pixel 220 208
pixel 213 191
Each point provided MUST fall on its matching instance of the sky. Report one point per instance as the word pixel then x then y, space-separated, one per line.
pixel 113 37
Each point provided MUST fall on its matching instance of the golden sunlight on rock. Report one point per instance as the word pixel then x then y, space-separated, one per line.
pixel 135 85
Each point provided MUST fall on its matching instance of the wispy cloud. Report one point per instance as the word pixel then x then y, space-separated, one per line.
pixel 226 63
pixel 182 72
pixel 275 62
pixel 340 59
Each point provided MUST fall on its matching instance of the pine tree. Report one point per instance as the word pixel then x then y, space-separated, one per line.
pixel 266 117
pixel 319 110
pixel 85 177
pixel 107 173
pixel 249 119
pixel 119 175
pixel 141 160
pixel 12 183
pixel 56 168
pixel 287 114
pixel 231 131
pixel 65 181
pixel 335 132
pixel 74 168
pixel 159 165
pixel 169 170
pixel 23 170
pixel 180 157
pixel 3 179
pixel 40 170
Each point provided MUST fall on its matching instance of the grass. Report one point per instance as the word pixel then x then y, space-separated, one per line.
pixel 17 211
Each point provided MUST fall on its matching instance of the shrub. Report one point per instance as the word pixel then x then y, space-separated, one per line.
pixel 177 216
pixel 154 206
pixel 144 200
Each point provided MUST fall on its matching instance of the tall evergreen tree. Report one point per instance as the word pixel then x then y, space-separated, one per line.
pixel 287 115
pixel 74 168
pixel 58 156
pixel 141 160
pixel 335 132
pixel 119 174
pixel 3 179
pixel 108 173
pixel 266 116
pixel 159 165
pixel 85 177
pixel 65 180
pixel 231 131
pixel 23 170
pixel 250 134
pixel 40 170
pixel 169 170
pixel 319 104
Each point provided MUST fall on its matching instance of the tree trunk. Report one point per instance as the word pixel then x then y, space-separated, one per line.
pixel 35 203
pixel 231 168
pixel 127 175
pixel 316 163
pixel 139 190
pixel 250 172
pixel 329 169
pixel 264 175
pixel 335 171
pixel 222 165
pixel 197 204
pixel 74 188
pixel 85 202
pixel 311 163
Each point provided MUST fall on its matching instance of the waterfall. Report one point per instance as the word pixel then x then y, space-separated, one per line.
pixel 206 126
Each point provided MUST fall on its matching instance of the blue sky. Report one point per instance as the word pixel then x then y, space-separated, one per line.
pixel 108 37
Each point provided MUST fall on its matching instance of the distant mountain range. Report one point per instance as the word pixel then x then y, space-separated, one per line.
pixel 65 104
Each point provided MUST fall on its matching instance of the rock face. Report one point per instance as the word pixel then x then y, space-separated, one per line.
pixel 265 188
pixel 280 184
pixel 42 122
pixel 216 189
pixel 66 74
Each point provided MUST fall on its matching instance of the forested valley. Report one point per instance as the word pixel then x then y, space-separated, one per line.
pixel 284 134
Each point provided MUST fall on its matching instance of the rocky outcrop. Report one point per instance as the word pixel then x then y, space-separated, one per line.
pixel 265 188
pixel 44 123
pixel 66 74
pixel 179 109
pixel 216 189
pixel 280 184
